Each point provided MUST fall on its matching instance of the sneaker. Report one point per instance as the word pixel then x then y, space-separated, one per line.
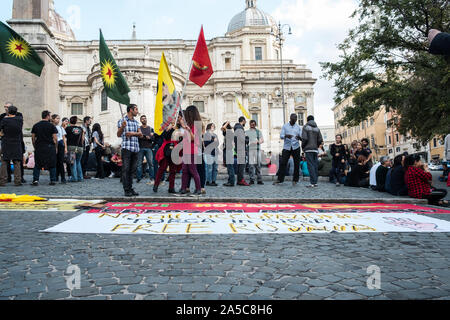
pixel 252 182
pixel 172 191
pixel 129 194
pixel 310 186
pixel 155 189
pixel 184 193
pixel 35 183
pixel 338 184
pixel 228 185
pixel 53 183
pixel 135 193
pixel 198 193
pixel 243 183
pixel 214 184
pixel 23 180
pixel 316 186
pixel 276 183
pixel 188 190
pixel 261 183
pixel 208 184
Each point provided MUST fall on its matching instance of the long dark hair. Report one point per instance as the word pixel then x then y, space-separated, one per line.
pixel 98 128
pixel 191 115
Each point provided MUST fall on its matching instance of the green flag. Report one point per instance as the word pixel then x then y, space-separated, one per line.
pixel 115 84
pixel 16 51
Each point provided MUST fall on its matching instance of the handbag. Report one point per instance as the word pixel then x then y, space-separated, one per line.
pixel 168 150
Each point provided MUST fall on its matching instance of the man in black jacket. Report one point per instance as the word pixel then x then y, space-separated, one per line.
pixel 19 115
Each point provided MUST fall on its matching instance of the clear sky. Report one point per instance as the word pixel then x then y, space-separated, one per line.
pixel 317 25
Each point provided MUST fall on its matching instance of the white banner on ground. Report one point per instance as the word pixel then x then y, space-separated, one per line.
pixel 248 223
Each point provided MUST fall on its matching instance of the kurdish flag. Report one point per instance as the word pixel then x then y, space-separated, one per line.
pixel 16 51
pixel 167 105
pixel 115 84
pixel 244 112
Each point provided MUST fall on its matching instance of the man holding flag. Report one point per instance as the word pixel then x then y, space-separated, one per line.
pixel 128 128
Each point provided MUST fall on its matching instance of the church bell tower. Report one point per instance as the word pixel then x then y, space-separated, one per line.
pixel 29 93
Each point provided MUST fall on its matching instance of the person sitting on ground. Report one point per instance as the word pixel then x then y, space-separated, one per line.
pixel 445 174
pixel 359 176
pixel 381 174
pixel 398 185
pixel 116 164
pixel 418 179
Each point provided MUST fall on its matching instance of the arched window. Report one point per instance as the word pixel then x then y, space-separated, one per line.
pixel 104 101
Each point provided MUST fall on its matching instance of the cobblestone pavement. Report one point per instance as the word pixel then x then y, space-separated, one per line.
pixel 113 188
pixel 33 265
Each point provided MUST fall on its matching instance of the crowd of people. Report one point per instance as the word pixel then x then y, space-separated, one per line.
pixel 186 146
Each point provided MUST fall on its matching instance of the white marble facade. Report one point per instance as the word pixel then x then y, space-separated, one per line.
pixel 245 60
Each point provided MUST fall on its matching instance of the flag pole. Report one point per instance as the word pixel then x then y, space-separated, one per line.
pixel 121 111
pixel 187 79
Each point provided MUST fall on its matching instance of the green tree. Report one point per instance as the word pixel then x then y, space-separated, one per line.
pixel 384 61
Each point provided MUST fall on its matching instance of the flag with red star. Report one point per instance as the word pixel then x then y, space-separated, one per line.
pixel 16 51
pixel 202 68
pixel 116 86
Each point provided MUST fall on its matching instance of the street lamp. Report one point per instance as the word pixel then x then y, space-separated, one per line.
pixel 280 37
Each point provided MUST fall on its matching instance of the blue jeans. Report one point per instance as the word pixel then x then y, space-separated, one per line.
pixel 37 173
pixel 148 154
pixel 211 168
pixel 231 174
pixel 313 166
pixel 77 170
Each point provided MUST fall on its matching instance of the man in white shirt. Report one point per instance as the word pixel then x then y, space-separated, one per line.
pixel 373 176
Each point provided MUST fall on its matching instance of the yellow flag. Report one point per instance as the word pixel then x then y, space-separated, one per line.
pixel 167 99
pixel 244 112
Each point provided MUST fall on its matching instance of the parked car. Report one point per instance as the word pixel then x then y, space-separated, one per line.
pixel 435 166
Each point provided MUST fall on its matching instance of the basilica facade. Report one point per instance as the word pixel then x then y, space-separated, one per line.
pixel 246 62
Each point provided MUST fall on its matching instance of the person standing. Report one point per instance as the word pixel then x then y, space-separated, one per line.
pixel 75 138
pixel 228 153
pixel 368 152
pixel 129 131
pixel 291 133
pixel 255 140
pixel 44 136
pixel 87 146
pixel 239 144
pixel 311 140
pixel 192 147
pixel 11 132
pixel 447 148
pixel 211 142
pixel 338 153
pixel 64 124
pixel 98 144
pixel 18 114
pixel 62 149
pixel 145 149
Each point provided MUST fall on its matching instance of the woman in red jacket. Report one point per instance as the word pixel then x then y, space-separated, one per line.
pixel 418 180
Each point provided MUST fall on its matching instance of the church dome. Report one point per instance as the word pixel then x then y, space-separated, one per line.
pixel 60 28
pixel 251 17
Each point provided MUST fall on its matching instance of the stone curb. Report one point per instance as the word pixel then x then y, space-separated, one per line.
pixel 240 200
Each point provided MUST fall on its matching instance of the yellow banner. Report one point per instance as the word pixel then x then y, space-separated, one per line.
pixel 244 112
pixel 167 100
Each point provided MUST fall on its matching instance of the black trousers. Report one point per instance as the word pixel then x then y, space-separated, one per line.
pixel 436 196
pixel 129 167
pixel 285 156
pixel 98 156
pixel 85 160
pixel 60 162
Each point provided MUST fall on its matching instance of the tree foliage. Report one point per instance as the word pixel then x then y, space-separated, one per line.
pixel 384 61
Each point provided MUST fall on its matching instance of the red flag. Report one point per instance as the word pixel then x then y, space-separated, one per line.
pixel 202 68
